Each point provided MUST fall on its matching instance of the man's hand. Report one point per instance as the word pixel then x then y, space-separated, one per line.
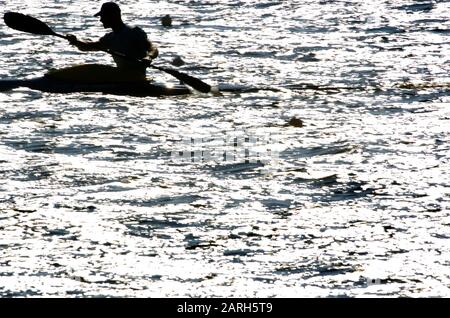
pixel 82 45
pixel 147 61
pixel 153 53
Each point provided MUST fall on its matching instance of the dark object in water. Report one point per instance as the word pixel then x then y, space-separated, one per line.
pixel 166 21
pixel 178 61
pixel 296 122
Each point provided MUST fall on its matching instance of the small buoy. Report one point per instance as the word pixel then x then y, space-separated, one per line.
pixel 178 61
pixel 310 57
pixel 166 21
pixel 296 122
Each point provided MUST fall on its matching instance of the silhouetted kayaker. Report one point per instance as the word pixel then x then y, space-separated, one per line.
pixel 130 41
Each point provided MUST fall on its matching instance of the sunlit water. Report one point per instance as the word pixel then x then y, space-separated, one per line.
pixel 356 204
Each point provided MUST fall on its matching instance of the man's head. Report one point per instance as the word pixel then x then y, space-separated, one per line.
pixel 109 14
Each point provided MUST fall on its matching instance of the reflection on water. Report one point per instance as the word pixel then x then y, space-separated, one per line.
pixel 356 203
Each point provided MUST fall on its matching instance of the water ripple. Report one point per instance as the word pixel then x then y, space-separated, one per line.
pixel 351 97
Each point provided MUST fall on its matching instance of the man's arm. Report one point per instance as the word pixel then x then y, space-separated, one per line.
pixel 84 45
pixel 142 41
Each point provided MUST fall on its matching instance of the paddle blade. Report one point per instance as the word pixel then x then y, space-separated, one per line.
pixel 187 79
pixel 25 23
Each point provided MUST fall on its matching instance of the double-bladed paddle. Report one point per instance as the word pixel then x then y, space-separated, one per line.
pixel 26 23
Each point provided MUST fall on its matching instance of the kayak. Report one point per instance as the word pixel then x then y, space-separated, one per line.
pixel 95 78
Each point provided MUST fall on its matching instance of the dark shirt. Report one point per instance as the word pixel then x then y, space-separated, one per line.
pixel 131 41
